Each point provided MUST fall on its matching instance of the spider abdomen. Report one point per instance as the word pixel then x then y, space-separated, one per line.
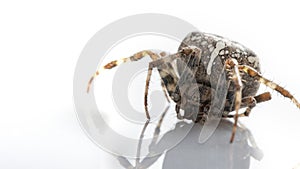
pixel 215 50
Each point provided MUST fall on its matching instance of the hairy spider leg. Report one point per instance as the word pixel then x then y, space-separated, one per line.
pixel 168 77
pixel 234 75
pixel 149 73
pixel 250 102
pixel 257 99
pixel 167 74
pixel 255 74
pixel 112 64
pixel 165 89
pixel 135 57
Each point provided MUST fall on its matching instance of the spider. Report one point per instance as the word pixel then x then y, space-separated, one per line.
pixel 192 81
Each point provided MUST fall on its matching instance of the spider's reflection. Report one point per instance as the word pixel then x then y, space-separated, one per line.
pixel 216 152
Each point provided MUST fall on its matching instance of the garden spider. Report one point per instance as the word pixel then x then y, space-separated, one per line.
pixel 192 81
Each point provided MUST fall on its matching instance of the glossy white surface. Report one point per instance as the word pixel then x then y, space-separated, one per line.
pixel 41 41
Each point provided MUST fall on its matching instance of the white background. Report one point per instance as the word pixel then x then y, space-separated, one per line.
pixel 41 41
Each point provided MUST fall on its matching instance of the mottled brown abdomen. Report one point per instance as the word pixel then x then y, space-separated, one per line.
pixel 214 52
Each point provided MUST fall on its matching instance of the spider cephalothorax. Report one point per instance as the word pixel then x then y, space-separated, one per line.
pixel 193 76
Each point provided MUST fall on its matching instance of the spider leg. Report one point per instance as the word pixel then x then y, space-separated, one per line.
pixel 263 97
pixel 167 75
pixel 255 74
pixel 146 92
pixel 165 91
pixel 232 67
pixel 112 64
pixel 135 57
pixel 250 102
pixel 147 88
pixel 167 72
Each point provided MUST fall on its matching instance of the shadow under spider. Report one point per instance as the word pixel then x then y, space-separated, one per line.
pixel 216 152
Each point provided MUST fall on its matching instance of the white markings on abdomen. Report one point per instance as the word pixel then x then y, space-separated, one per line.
pixel 219 46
